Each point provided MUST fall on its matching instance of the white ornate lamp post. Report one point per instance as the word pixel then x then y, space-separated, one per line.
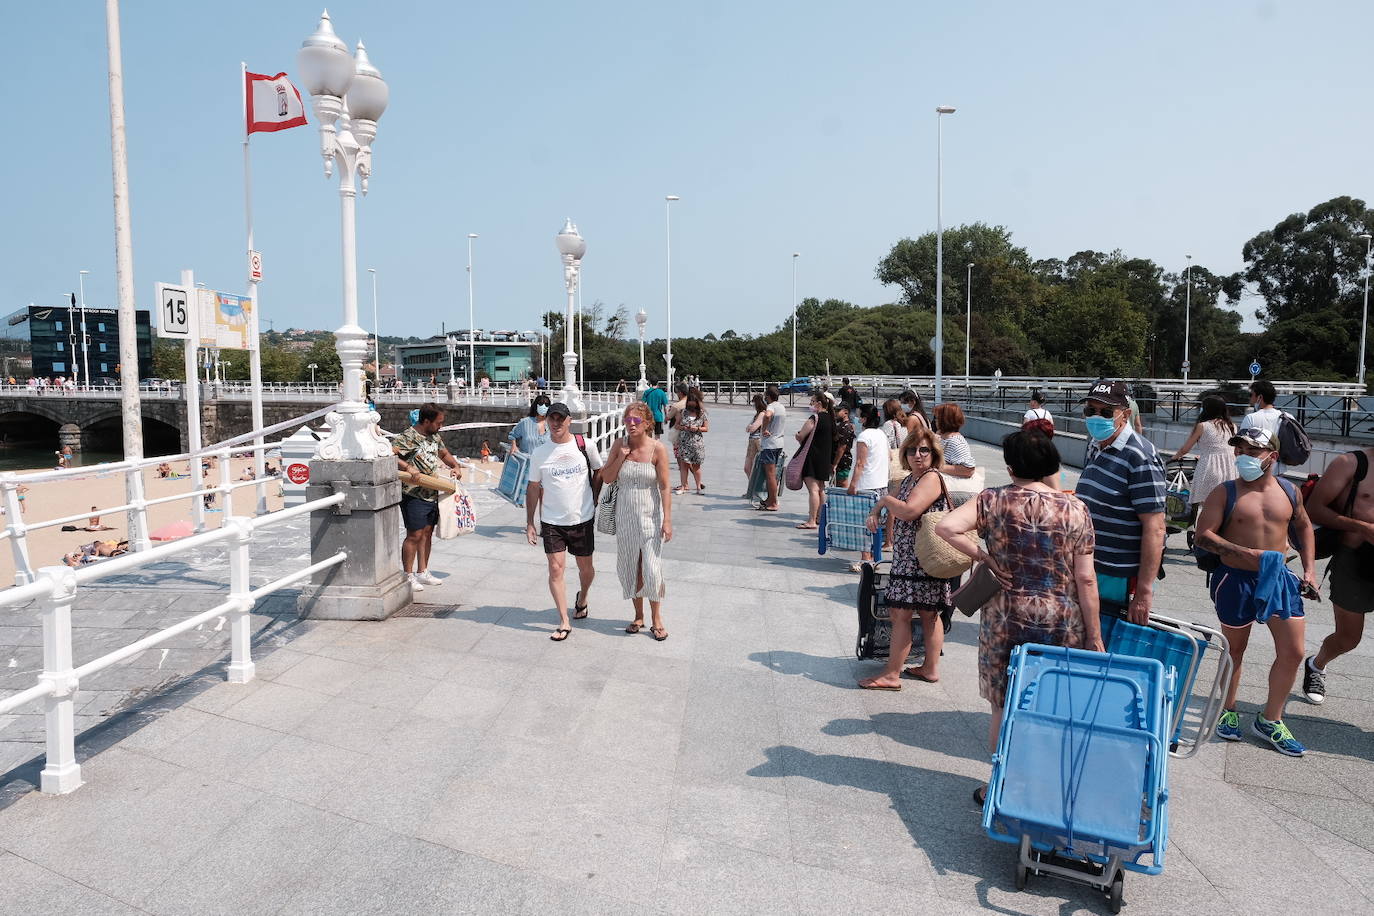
pixel 938 344
pixel 641 319
pixel 795 256
pixel 312 367
pixel 85 339
pixel 571 248
pixel 451 344
pixel 350 96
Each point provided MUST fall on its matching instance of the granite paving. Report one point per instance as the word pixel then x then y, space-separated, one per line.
pixel 461 762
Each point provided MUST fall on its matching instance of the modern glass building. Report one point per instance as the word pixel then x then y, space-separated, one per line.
pixel 427 363
pixel 52 337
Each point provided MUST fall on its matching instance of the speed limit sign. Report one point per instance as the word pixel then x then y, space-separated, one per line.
pixel 174 311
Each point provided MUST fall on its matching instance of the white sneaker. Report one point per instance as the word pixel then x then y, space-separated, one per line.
pixel 428 578
pixel 415 584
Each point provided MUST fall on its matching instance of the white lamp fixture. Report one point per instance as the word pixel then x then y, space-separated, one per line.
pixel 641 319
pixel 349 97
pixel 571 247
pixel 1187 316
pixel 938 343
pixel 668 224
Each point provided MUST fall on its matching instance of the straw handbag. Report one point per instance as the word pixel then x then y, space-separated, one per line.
pixel 937 556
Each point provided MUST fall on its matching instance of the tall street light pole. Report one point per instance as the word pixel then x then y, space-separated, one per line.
pixel 376 328
pixel 795 256
pixel 641 319
pixel 349 96
pixel 939 341
pixel 85 340
pixel 668 223
pixel 1187 315
pixel 968 327
pixel 571 248
pixel 472 341
pixel 1364 315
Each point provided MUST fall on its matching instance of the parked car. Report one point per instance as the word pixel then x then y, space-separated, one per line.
pixel 799 385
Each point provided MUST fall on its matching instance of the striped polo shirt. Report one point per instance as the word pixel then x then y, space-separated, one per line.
pixel 1122 481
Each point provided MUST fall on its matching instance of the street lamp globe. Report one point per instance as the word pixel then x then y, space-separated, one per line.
pixel 569 242
pixel 323 62
pixel 641 319
pixel 368 93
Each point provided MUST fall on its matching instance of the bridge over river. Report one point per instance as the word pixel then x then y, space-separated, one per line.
pixel 454 759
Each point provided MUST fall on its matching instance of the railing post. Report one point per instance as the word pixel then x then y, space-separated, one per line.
pixel 138 514
pixel 226 479
pixel 61 773
pixel 14 510
pixel 240 635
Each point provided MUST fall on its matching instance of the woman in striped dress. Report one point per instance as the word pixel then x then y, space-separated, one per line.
pixel 638 464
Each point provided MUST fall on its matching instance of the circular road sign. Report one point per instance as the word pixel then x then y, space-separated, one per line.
pixel 298 473
pixel 1255 368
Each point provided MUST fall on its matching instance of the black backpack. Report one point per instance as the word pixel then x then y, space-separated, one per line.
pixel 1294 445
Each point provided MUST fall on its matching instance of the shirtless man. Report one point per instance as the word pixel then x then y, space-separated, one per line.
pixel 1253 585
pixel 1352 566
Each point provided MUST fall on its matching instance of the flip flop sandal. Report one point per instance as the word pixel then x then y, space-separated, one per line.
pixel 879 687
pixel 634 628
pixel 561 634
pixel 913 674
pixel 658 633
pixel 579 609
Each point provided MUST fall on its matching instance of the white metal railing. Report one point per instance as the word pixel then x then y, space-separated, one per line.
pixel 170 391
pixel 603 429
pixel 17 527
pixel 57 587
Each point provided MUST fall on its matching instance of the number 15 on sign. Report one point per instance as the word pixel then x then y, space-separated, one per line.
pixel 174 311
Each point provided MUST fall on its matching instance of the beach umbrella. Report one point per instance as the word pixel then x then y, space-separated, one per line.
pixel 181 529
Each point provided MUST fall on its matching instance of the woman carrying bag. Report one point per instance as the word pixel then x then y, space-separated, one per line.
pixel 910 589
pixel 817 456
pixel 1040 547
pixel 638 469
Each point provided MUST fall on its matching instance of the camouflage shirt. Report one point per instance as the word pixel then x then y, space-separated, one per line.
pixel 421 452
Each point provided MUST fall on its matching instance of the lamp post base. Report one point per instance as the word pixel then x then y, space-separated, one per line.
pixel 369 585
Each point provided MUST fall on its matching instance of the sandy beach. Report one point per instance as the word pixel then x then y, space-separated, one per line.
pixel 59 498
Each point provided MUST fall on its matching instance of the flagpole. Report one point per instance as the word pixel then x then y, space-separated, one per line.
pixel 255 342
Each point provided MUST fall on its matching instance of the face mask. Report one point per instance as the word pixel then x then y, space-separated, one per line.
pixel 1249 467
pixel 1100 428
pixel 815 409
pixel 542 409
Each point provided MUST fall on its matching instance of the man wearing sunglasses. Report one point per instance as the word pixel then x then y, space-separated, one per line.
pixel 561 496
pixel 1122 485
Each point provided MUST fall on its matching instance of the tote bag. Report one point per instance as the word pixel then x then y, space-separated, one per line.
pixel 938 556
pixel 797 465
pixel 464 512
pixel 605 509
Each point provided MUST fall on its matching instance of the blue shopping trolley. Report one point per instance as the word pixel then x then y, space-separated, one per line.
pixel 1080 775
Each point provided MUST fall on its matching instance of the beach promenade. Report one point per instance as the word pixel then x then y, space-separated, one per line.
pixel 455 760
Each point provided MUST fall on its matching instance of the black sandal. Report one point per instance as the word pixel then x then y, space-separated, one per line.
pixel 561 634
pixel 579 610
pixel 980 796
pixel 634 627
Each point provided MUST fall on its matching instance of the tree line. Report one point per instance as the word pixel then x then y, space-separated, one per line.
pixel 1093 313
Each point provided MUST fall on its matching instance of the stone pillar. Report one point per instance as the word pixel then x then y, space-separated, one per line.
pixel 69 434
pixel 369 585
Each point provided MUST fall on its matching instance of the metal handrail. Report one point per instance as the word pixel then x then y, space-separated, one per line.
pixel 58 587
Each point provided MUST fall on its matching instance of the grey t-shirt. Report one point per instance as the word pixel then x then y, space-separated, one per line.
pixel 776 423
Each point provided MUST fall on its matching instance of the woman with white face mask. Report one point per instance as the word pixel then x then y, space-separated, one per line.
pixel 532 431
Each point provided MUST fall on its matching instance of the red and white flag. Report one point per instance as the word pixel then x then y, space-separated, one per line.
pixel 272 103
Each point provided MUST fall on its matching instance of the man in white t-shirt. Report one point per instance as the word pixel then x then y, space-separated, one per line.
pixel 771 448
pixel 1263 414
pixel 1037 417
pixel 563 488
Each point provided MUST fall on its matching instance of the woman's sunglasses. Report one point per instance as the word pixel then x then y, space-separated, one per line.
pixel 921 450
pixel 633 421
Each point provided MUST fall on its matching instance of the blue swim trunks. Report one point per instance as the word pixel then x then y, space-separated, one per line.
pixel 1243 597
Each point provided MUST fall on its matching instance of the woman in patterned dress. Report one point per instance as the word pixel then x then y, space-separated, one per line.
pixel 1040 546
pixel 844 446
pixel 692 424
pixel 909 589
pixel 638 464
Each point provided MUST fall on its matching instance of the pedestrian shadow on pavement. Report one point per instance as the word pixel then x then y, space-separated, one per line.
pixel 939 816
pixel 944 731
pixel 813 563
pixel 499 531
pixel 836 671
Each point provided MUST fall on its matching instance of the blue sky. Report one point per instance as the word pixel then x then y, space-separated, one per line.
pixel 1161 129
